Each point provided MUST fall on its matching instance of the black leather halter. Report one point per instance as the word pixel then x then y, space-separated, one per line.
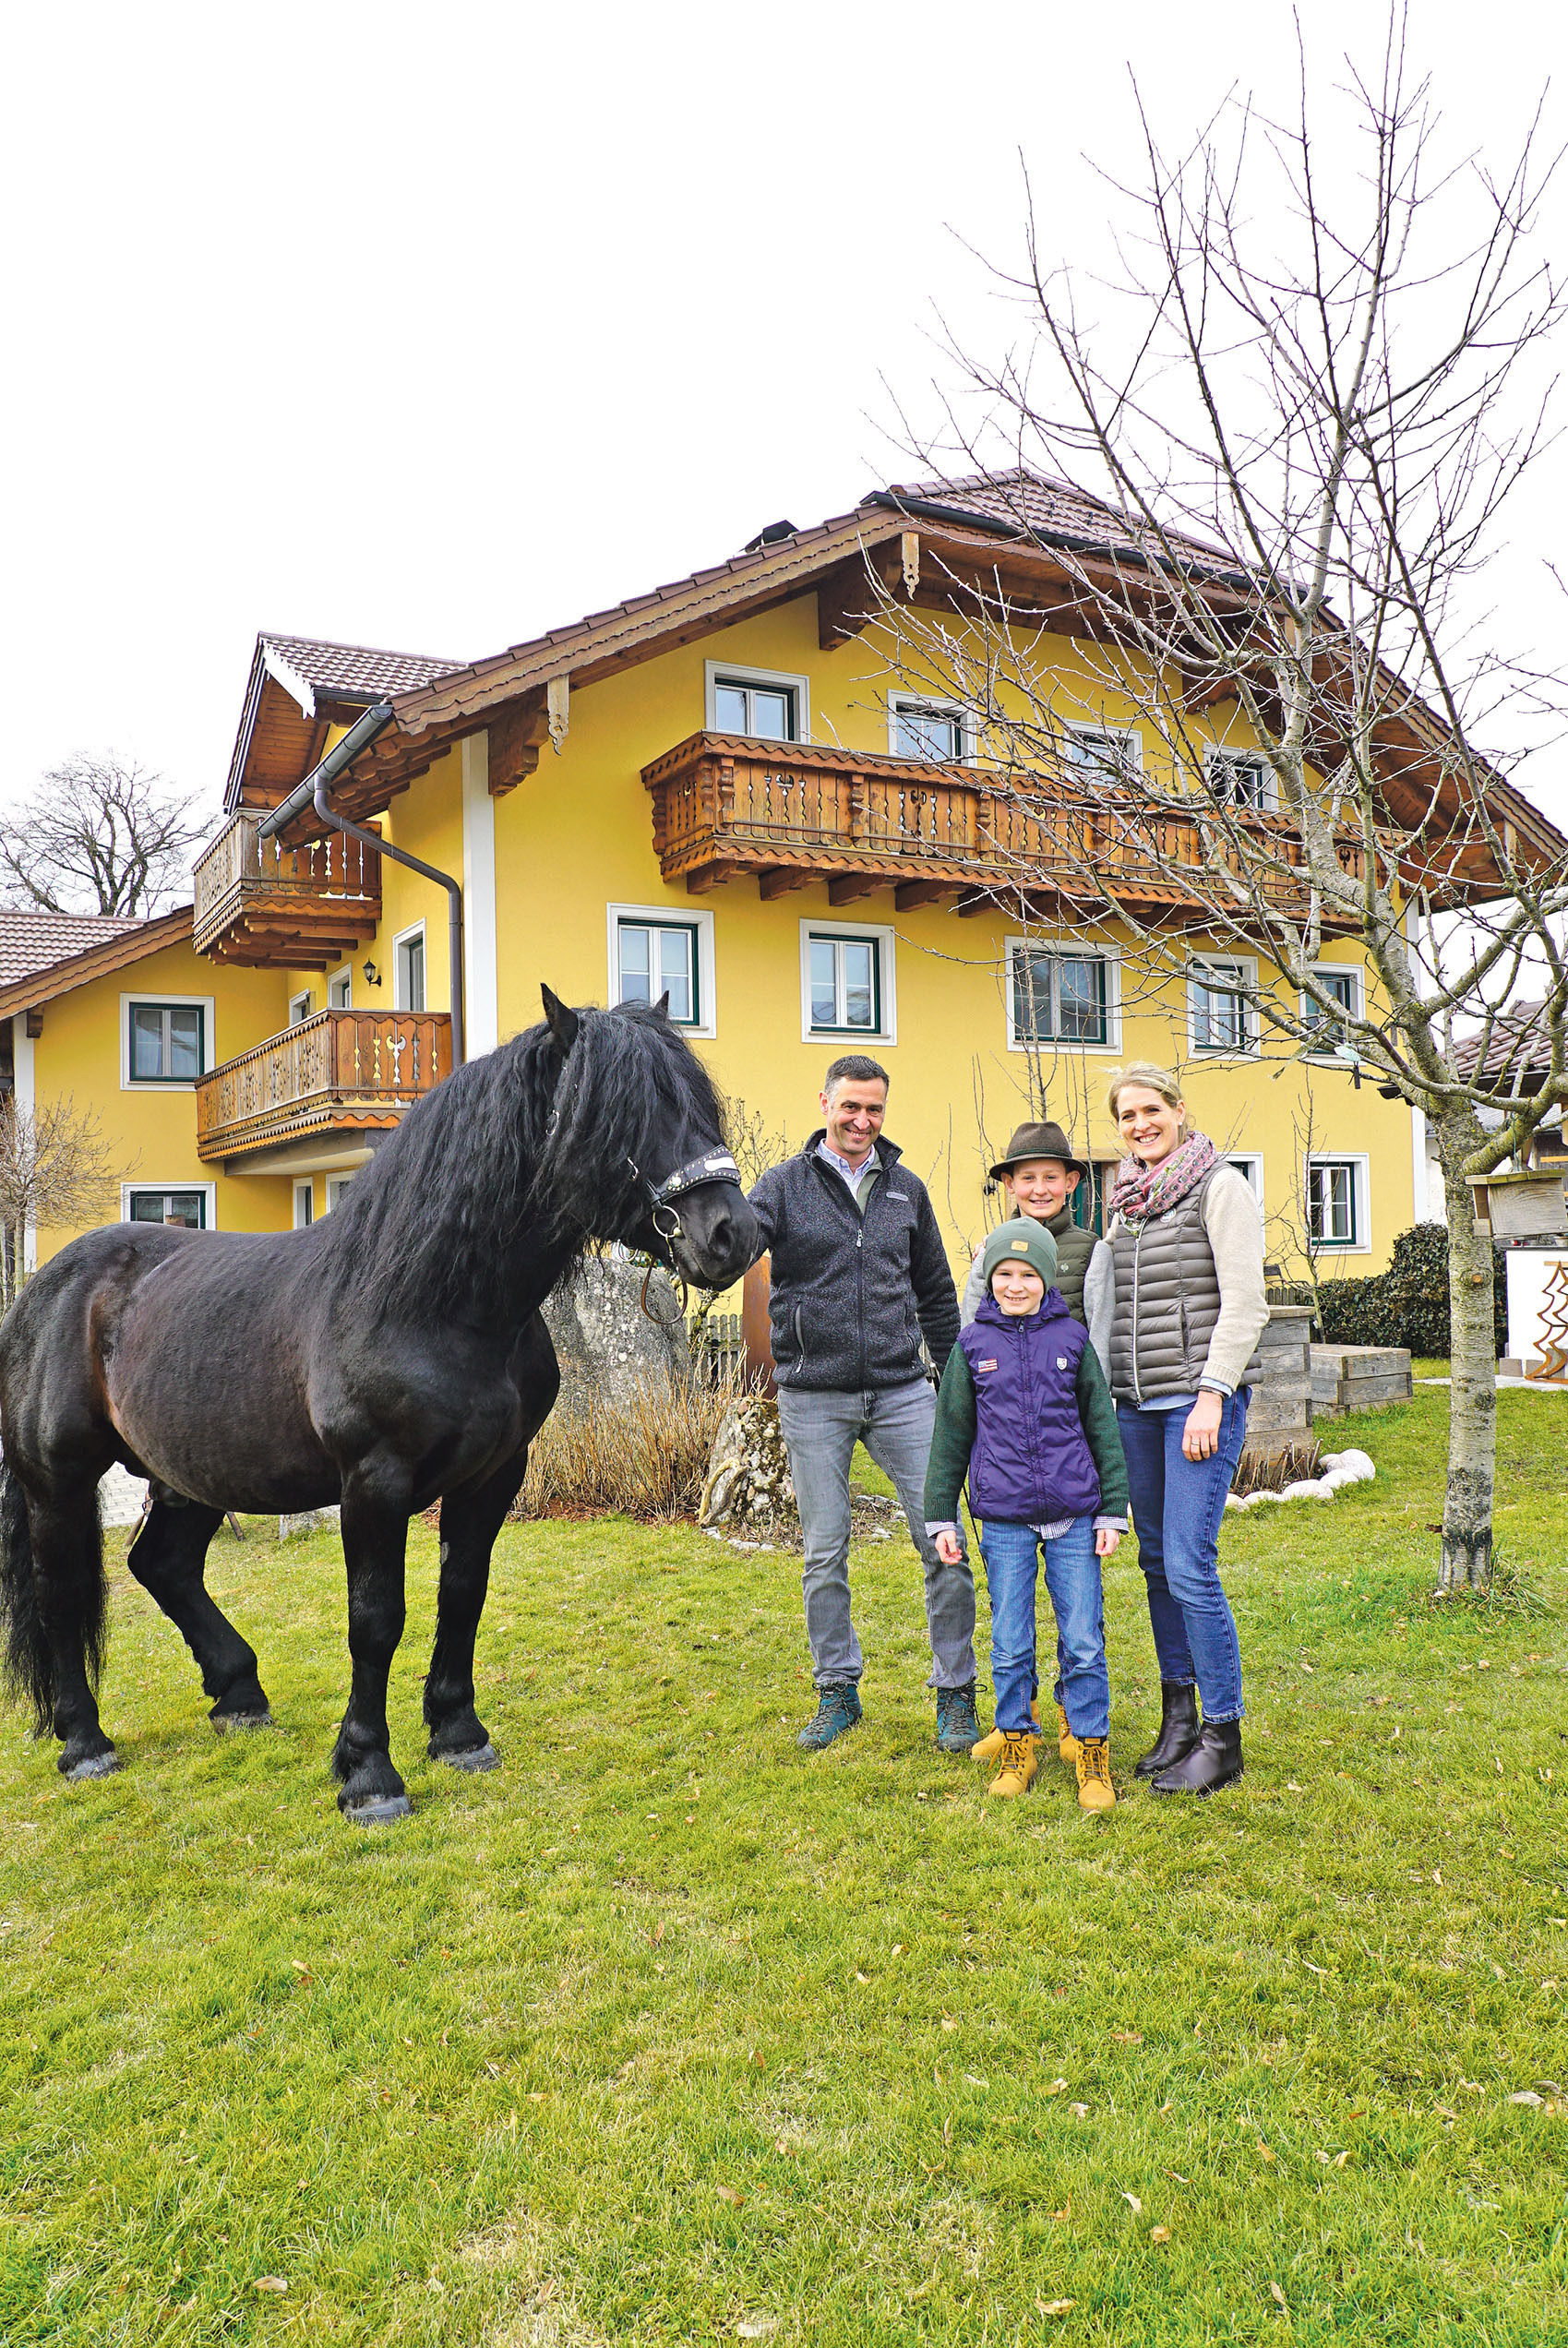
pixel 714 1166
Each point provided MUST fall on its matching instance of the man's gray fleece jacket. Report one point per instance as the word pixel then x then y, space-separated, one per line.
pixel 853 1294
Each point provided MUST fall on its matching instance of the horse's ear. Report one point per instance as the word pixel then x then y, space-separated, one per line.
pixel 662 1008
pixel 561 1022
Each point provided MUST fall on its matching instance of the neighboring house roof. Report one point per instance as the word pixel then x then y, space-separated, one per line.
pixel 46 954
pixel 1518 1049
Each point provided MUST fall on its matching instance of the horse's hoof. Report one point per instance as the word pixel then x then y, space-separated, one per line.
pixel 379 1810
pixel 225 1721
pixel 478 1757
pixel 94 1765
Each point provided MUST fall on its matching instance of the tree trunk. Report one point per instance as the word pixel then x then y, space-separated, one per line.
pixel 1465 1562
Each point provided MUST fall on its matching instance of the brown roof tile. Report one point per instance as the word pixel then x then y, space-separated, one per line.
pixel 33 942
pixel 347 672
pixel 1518 1044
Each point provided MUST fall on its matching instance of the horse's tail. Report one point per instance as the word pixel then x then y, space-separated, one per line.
pixel 27 1664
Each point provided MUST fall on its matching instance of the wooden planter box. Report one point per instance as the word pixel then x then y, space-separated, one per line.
pixel 1280 1375
pixel 1359 1378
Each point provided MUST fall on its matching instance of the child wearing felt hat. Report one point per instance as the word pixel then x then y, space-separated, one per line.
pixel 1024 1413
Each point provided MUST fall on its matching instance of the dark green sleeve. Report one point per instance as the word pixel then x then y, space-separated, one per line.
pixel 1097 1412
pixel 952 1439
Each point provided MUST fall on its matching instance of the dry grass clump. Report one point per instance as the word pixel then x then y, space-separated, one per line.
pixel 648 1458
pixel 1298 1463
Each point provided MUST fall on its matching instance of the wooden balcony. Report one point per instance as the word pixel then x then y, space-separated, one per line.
pixel 284 908
pixel 725 808
pixel 338 1072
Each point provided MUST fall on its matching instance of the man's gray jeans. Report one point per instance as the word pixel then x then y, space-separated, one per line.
pixel 894 1424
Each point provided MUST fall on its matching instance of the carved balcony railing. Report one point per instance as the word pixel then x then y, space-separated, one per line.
pixel 725 806
pixel 283 908
pixel 339 1072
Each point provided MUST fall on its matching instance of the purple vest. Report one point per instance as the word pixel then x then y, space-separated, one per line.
pixel 1031 1464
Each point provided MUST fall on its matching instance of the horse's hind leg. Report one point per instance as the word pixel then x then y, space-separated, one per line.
pixel 72 1602
pixel 168 1558
pixel 470 1521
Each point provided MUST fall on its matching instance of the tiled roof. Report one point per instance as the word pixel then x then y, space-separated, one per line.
pixel 1518 1043
pixel 31 942
pixel 1034 505
pixel 346 672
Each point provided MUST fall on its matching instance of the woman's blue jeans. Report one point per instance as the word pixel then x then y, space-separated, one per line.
pixel 1072 1577
pixel 1177 1506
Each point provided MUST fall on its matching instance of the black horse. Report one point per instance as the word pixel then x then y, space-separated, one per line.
pixel 390 1356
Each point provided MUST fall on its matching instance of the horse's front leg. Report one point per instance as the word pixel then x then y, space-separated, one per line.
pixel 375 1526
pixel 470 1522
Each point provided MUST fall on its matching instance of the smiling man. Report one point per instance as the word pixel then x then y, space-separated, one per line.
pixel 859 1274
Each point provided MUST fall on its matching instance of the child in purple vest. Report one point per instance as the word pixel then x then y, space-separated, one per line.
pixel 1025 1414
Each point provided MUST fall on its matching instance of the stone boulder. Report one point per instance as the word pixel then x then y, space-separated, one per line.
pixel 748 1488
pixel 607 1345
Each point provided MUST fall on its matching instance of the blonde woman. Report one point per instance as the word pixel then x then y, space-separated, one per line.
pixel 1188 1242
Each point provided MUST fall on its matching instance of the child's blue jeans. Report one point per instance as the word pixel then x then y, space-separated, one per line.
pixel 1072 1577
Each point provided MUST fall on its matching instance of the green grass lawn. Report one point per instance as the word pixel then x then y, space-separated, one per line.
pixel 667 2032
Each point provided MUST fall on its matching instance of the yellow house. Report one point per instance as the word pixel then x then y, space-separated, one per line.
pixel 717 790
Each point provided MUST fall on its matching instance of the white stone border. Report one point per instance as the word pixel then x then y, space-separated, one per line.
pixel 1339 1468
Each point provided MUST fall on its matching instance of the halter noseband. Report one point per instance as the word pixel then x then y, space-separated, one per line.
pixel 714 1166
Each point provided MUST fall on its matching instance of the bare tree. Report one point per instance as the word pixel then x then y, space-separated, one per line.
pixel 55 1169
pixel 99 835
pixel 1305 421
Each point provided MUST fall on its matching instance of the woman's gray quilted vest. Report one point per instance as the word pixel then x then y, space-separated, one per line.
pixel 1166 1301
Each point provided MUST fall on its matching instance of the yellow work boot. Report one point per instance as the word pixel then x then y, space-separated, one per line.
pixel 1096 1790
pixel 989 1747
pixel 1020 1767
pixel 1066 1742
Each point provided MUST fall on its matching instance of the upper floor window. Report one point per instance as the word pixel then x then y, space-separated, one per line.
pixel 1223 1019
pixel 166 1043
pixel 1240 779
pixel 1059 998
pixel 1104 751
pixel 339 991
pixel 655 959
pixel 741 706
pixel 1343 986
pixel 926 730
pixel 407 976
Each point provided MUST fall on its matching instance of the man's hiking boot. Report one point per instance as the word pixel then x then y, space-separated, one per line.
pixel 989 1747
pixel 1091 1761
pixel 1066 1742
pixel 958 1724
pixel 838 1708
pixel 1214 1761
pixel 1020 1767
pixel 1179 1730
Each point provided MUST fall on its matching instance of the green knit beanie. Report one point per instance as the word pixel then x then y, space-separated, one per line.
pixel 1022 1241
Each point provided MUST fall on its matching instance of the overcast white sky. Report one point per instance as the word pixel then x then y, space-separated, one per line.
pixel 430 327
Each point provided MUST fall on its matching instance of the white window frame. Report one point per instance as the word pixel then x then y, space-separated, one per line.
pixel 305 1195
pixel 1357 977
pixel 1361 1201
pixel 1249 1164
pixel 406 937
pixel 208 1006
pixel 1110 954
pixel 208 1189
pixel 1197 984
pixel 336 1185
pixel 846 1038
pixel 1129 738
pixel 667 916
pixel 967 730
pixel 743 673
pixel 344 978
pixel 301 1005
pixel 1225 754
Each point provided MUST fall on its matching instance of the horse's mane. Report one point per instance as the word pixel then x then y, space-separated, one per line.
pixel 513 1148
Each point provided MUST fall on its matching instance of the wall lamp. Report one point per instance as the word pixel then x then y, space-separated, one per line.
pixel 372 976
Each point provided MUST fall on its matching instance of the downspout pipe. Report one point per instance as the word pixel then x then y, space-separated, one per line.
pixel 311 795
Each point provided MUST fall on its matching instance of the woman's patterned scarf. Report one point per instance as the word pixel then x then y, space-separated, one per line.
pixel 1139 1192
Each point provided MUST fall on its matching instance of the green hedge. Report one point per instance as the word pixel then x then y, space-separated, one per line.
pixel 1407 1305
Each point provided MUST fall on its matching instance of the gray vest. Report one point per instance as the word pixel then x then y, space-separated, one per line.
pixel 1166 1303
pixel 1074 1246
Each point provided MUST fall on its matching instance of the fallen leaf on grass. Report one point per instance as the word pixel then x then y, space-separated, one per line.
pixel 1276 2294
pixel 864 1979
pixel 270 2283
pixel 1159 2234
pixel 1443 2111
pixel 1055 2307
pixel 1056 2087
pixel 1128 2038
pixel 1340 2159
pixel 1063 2216
pixel 976 2082
pixel 898 1949
pixel 1133 2202
pixel 948 2022
pixel 1321 1971
pixel 755 2326
pixel 1527 2095
pixel 1265 2155
pixel 728 2193
pixel 1079 2111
